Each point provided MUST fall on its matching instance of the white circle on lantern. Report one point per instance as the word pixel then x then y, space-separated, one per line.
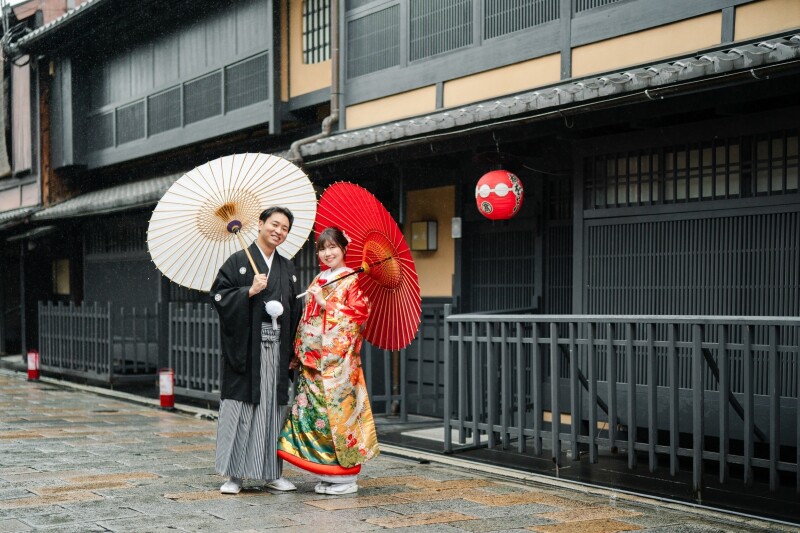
pixel 484 190
pixel 501 189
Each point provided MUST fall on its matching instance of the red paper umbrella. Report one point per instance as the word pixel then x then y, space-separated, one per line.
pixel 378 250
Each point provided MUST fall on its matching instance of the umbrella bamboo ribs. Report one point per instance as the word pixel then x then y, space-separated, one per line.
pixel 375 240
pixel 212 211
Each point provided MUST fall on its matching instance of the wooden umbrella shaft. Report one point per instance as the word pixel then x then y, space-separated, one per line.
pixel 363 268
pixel 359 270
pixel 247 251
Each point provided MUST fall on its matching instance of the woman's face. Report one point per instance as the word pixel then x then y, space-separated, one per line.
pixel 331 255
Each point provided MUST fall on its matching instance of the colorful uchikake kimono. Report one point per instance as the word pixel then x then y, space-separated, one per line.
pixel 330 430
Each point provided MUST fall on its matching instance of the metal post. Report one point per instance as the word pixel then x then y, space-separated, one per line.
pixel 110 345
pixel 3 305
pixel 505 385
pixel 747 363
pixel 462 385
pixel 476 388
pixel 555 409
pixel 724 389
pixel 631 371
pixel 448 382
pixel 652 399
pixel 162 335
pixel 395 402
pixel 521 398
pixel 23 322
pixel 206 320
pixel 536 390
pixel 43 324
pixel 576 416
pixel 491 385
pixel 387 381
pixel 436 355
pixel 403 385
pixel 672 357
pixel 420 365
pixel 188 355
pixel 611 363
pixel 592 394
pixel 698 411
pixel 774 408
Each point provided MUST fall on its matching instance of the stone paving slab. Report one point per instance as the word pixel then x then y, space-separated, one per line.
pixel 586 526
pixel 73 461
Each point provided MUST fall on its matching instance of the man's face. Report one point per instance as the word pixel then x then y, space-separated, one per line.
pixel 274 230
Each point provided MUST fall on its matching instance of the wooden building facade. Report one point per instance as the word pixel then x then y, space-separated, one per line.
pixel 657 143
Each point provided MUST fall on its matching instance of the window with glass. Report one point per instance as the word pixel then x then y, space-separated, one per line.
pixel 715 170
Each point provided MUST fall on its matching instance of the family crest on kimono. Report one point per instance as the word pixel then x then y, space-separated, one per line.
pixel 330 430
pixel 258 315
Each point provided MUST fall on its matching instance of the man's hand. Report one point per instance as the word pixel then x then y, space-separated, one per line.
pixel 294 363
pixel 259 284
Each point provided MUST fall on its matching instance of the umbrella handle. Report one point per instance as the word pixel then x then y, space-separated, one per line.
pixel 244 247
pixel 354 272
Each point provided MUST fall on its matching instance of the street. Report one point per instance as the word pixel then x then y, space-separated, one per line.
pixel 74 461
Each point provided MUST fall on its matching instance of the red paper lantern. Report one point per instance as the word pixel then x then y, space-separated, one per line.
pixel 499 195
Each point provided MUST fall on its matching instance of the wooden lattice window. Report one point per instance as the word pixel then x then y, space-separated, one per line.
pixel 585 5
pixel 316 31
pixel 373 42
pixel 438 27
pixel 501 18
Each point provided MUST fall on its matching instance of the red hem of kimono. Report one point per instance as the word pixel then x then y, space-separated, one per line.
pixel 316 468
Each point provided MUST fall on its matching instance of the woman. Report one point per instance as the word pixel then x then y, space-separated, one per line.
pixel 330 430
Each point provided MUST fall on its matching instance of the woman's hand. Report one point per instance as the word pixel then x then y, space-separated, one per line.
pixel 259 284
pixel 316 293
pixel 294 363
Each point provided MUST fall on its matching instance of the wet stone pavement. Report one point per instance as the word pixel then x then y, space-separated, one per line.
pixel 71 460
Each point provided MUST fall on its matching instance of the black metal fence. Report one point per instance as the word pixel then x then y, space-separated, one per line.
pixel 194 354
pixel 98 341
pixel 102 343
pixel 728 384
pixel 194 350
pixel 424 378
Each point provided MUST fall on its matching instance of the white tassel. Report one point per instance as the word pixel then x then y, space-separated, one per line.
pixel 274 309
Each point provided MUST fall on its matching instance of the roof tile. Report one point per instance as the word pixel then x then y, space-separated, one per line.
pixel 111 199
pixel 657 75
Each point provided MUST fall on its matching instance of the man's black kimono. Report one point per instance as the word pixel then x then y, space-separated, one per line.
pixel 241 316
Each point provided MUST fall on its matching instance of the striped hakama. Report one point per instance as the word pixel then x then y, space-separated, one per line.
pixel 247 434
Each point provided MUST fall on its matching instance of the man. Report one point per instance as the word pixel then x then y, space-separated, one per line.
pixel 254 382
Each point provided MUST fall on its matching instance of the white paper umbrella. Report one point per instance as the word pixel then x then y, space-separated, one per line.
pixel 212 211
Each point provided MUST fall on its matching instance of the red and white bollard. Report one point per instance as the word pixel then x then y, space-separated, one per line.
pixel 166 386
pixel 33 365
